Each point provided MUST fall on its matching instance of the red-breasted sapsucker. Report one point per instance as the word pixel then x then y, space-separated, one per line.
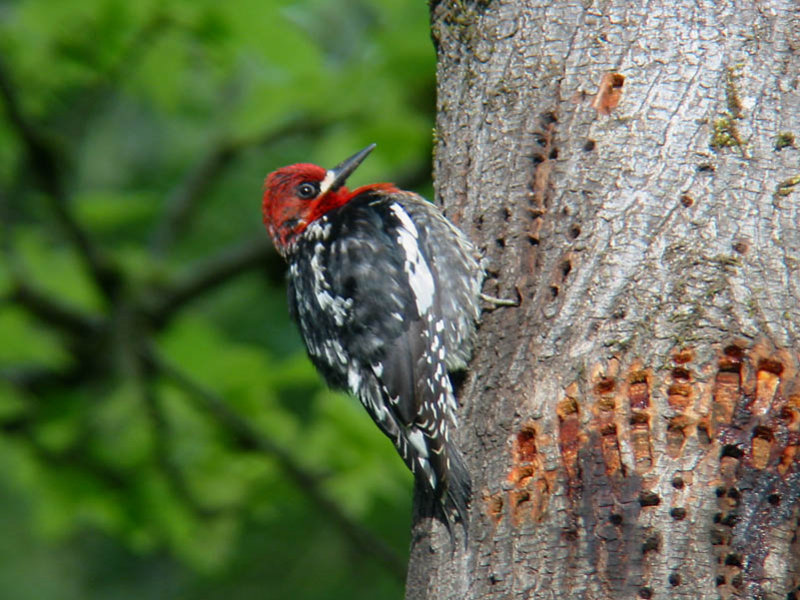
pixel 386 292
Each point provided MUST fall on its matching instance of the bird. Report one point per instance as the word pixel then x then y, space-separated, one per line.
pixel 385 291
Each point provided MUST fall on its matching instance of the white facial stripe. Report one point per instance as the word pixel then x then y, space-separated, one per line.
pixel 327 182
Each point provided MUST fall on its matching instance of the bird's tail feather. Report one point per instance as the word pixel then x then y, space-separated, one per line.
pixel 451 506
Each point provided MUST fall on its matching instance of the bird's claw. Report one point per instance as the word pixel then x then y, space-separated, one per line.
pixel 500 302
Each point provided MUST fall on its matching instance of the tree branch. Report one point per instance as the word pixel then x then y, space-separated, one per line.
pixel 36 379
pixel 210 274
pixel 44 307
pixel 184 198
pixel 46 163
pixel 249 438
pixel 53 312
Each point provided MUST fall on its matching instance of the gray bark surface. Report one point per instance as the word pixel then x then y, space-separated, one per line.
pixel 633 427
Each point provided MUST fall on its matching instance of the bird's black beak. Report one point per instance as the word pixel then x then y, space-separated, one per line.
pixel 343 170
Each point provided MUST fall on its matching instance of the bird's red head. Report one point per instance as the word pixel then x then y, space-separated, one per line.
pixel 297 195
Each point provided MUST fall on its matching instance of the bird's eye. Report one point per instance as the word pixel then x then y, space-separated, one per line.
pixel 307 191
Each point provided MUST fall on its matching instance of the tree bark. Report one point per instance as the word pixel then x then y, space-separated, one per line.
pixel 630 170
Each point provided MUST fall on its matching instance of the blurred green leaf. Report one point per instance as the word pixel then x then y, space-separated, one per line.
pixel 56 269
pixel 118 482
pixel 27 342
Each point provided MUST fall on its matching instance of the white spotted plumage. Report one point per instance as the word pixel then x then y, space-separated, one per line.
pixel 336 305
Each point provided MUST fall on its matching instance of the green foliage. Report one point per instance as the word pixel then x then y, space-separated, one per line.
pixel 162 434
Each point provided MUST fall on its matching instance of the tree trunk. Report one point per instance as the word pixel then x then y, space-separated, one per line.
pixel 630 170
